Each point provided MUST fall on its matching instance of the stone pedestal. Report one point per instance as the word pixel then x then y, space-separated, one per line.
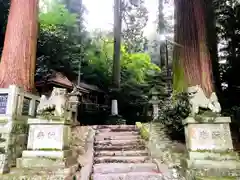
pixel 210 148
pixel 48 146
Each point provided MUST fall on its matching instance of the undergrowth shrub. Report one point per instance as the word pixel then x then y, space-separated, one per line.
pixel 172 112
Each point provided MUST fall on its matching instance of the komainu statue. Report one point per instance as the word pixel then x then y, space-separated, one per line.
pixel 55 105
pixel 198 100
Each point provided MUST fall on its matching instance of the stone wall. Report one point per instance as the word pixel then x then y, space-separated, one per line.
pixel 78 142
pixel 15 108
pixel 162 148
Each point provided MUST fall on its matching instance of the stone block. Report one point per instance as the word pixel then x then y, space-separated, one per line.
pixel 48 137
pixel 129 176
pixel 37 162
pixel 105 168
pixel 212 168
pixel 208 136
pixel 52 173
pixel 218 156
pixel 210 147
pixel 47 154
pixel 48 145
pixel 4 164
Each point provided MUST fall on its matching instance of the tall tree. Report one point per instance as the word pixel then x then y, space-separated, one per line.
pixel 4 7
pixel 19 52
pixel 161 31
pixel 228 29
pixel 117 43
pixel 116 53
pixel 192 61
pixel 135 17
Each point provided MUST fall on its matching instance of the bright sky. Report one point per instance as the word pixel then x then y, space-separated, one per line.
pixel 100 14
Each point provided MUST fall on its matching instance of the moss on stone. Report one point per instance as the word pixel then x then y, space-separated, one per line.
pixel 227 152
pixel 216 178
pixel 143 131
pixel 179 82
pixel 206 116
pixel 20 128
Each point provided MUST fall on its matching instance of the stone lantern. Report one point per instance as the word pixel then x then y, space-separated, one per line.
pixel 154 101
pixel 74 102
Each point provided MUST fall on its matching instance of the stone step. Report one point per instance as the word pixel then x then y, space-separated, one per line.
pixel 117 130
pixel 119 142
pixel 107 134
pixel 31 162
pixel 117 147
pixel 121 159
pixel 100 137
pixel 121 153
pixel 41 173
pixel 209 164
pixel 115 126
pixel 105 168
pixel 129 176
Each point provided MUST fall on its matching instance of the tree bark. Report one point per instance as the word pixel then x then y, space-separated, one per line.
pixel 192 61
pixel 19 52
pixel 161 29
pixel 117 43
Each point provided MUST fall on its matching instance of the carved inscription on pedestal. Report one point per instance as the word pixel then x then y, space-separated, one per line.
pixel 47 138
pixel 3 103
pixel 203 134
pixel 216 135
pixel 26 106
pixel 209 137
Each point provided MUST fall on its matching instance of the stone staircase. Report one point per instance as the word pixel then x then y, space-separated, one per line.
pixel 120 153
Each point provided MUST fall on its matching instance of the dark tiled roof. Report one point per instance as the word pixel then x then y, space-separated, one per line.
pixel 61 80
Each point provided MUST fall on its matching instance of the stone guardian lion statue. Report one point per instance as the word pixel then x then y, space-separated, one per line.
pixel 56 104
pixel 198 100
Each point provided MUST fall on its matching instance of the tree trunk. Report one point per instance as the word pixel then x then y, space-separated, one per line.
pixel 212 42
pixel 19 52
pixel 161 30
pixel 192 62
pixel 117 43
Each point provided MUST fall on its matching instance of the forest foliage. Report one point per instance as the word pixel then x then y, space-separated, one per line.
pixel 58 49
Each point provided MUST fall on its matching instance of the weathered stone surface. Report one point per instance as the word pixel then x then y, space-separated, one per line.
pixel 36 162
pixel 78 139
pixel 162 148
pixel 123 129
pixel 107 134
pixel 210 164
pixel 4 163
pixel 47 154
pixel 105 168
pixel 52 173
pixel 116 126
pixel 86 169
pixel 117 147
pixel 121 159
pixel 58 162
pixel 47 136
pixel 121 153
pixel 213 155
pixel 129 176
pixel 165 152
pixel 210 147
pixel 119 142
pixel 208 137
pixel 100 137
